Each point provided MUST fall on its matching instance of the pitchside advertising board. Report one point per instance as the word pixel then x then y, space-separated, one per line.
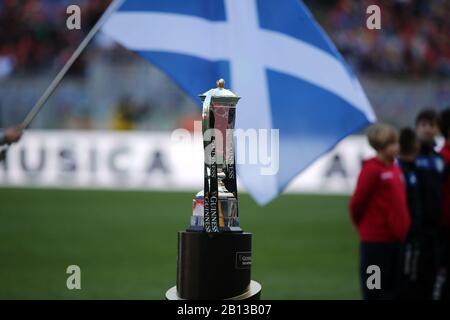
pixel 150 161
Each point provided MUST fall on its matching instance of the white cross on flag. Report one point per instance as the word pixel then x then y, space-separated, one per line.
pixel 270 52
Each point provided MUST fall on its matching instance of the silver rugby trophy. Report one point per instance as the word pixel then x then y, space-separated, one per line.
pixel 215 208
pixel 214 254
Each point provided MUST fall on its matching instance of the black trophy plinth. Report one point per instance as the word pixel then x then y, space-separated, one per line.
pixel 214 266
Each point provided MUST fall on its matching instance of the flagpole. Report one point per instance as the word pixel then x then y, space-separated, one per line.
pixel 57 80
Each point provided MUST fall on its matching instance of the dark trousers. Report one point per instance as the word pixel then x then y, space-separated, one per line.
pixel 408 276
pixel 422 275
pixel 428 265
pixel 441 289
pixel 384 255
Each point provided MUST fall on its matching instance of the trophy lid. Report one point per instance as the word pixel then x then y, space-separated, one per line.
pixel 220 94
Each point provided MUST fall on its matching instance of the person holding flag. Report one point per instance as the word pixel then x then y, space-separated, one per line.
pixel 10 135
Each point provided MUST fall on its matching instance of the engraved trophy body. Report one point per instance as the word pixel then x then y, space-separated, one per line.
pixel 215 208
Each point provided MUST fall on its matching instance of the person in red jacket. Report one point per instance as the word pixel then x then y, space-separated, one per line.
pixel 379 211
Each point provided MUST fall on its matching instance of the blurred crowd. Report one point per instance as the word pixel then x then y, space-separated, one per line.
pixel 413 43
pixel 414 37
pixel 33 34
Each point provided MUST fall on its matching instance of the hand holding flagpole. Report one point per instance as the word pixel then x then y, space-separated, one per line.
pixel 57 80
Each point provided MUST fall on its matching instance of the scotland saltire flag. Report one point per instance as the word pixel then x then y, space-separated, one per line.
pixel 273 54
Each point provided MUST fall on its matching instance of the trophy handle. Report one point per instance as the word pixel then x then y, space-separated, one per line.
pixel 230 180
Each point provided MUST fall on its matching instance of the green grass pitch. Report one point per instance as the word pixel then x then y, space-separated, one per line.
pixel 304 246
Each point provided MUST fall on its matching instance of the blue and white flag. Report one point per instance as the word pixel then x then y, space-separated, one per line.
pixel 271 53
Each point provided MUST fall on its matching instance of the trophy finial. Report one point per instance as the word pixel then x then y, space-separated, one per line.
pixel 220 83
